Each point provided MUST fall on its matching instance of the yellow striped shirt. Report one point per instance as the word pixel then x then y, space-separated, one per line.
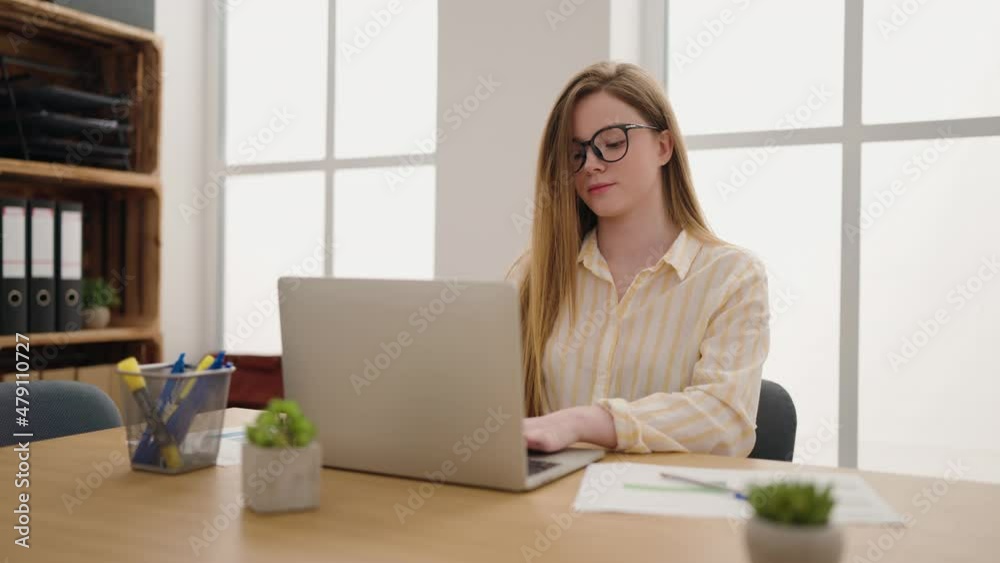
pixel 677 362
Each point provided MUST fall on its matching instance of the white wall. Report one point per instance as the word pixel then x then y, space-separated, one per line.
pixel 486 162
pixel 183 164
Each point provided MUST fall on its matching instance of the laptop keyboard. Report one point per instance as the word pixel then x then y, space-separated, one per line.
pixel 537 466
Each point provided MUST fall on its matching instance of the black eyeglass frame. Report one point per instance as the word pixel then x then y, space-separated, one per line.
pixel 624 127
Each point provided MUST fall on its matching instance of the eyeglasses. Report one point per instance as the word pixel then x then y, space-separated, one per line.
pixel 609 144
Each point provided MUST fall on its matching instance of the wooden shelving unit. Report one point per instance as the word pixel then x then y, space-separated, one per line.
pixel 110 334
pixel 121 209
pixel 70 177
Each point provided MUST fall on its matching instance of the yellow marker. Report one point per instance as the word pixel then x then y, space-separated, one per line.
pixel 134 382
pixel 137 385
pixel 205 362
pixel 186 389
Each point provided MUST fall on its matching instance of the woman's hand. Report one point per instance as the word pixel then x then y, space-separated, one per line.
pixel 559 430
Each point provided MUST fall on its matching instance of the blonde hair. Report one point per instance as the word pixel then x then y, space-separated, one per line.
pixel 561 219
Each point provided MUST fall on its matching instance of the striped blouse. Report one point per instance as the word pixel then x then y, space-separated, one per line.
pixel 677 361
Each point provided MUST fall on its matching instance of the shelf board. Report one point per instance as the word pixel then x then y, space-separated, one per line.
pixel 77 176
pixel 68 21
pixel 85 336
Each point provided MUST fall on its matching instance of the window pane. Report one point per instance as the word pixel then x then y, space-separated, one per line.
pixel 275 81
pixel 384 223
pixel 930 300
pixel 730 66
pixel 386 83
pixel 930 60
pixel 784 206
pixel 273 227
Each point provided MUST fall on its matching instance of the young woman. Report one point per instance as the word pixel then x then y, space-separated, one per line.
pixel 642 331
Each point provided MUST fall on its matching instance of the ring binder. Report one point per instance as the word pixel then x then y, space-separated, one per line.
pixel 41 266
pixel 13 266
pixel 69 265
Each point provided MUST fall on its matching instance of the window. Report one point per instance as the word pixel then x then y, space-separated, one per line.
pixel 850 145
pixel 328 141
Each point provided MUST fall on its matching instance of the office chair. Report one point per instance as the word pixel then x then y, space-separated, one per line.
pixel 55 409
pixel 776 422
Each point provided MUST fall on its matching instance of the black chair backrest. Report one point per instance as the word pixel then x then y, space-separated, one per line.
pixel 55 409
pixel 776 423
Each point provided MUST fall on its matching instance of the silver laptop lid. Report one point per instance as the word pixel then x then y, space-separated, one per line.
pixel 413 378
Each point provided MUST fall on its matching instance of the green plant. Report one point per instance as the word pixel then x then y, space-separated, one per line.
pixel 281 425
pixel 99 293
pixel 798 504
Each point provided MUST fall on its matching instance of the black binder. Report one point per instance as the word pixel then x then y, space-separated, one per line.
pixel 69 265
pixel 13 266
pixel 41 266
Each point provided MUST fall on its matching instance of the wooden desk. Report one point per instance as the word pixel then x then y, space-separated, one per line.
pixel 139 516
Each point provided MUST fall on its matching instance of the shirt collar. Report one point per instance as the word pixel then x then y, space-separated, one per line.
pixel 590 256
pixel 680 255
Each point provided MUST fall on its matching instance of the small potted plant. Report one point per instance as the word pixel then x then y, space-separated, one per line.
pixel 281 460
pixel 792 523
pixel 98 296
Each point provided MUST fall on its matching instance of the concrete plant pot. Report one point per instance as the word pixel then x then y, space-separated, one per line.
pixel 281 479
pixel 96 317
pixel 771 542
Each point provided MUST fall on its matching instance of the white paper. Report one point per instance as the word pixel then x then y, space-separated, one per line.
pixel 231 446
pixel 14 246
pixel 638 488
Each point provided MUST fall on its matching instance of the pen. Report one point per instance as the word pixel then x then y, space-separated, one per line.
pixel 167 394
pixel 218 362
pixel 691 481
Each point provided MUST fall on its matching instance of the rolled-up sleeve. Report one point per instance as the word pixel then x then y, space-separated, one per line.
pixel 716 413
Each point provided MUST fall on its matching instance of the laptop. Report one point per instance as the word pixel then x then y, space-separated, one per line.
pixel 418 379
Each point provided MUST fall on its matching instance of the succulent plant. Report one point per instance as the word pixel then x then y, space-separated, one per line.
pixel 797 504
pixel 97 292
pixel 281 425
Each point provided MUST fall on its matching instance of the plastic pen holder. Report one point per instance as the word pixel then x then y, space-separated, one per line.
pixel 174 422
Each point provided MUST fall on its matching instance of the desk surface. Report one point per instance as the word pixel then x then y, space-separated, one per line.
pixel 79 515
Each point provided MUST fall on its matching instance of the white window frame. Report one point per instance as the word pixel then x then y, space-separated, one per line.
pixel 329 164
pixel 851 135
